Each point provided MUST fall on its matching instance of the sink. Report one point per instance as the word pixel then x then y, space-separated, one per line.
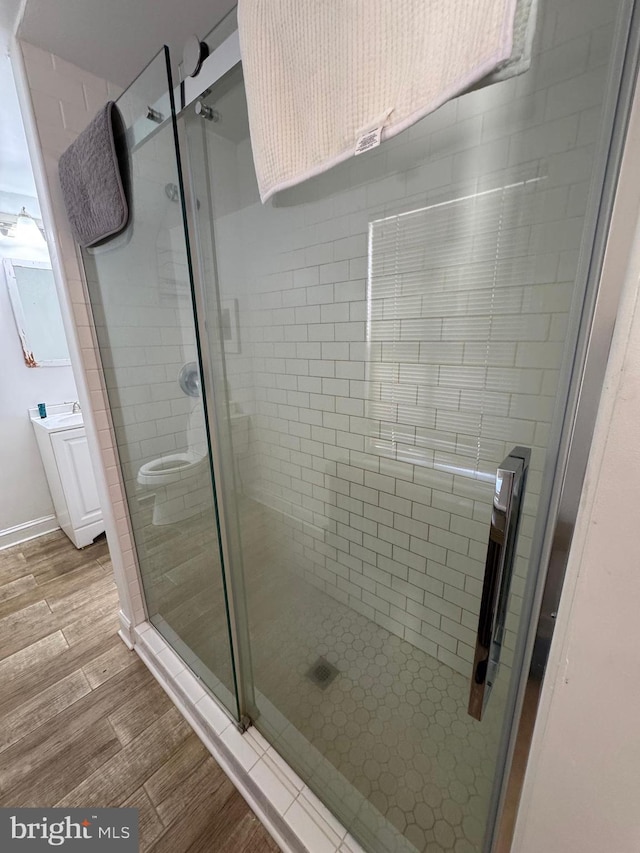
pixel 66 420
pixel 74 419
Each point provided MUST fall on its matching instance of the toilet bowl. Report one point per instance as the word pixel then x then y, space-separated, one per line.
pixel 180 482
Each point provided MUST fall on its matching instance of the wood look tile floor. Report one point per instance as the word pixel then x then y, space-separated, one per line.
pixel 83 722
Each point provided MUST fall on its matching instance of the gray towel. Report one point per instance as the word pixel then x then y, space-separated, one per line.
pixel 93 179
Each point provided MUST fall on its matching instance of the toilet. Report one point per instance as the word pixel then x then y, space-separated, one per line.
pixel 180 482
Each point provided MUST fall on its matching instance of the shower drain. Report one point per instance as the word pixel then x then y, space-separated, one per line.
pixel 322 673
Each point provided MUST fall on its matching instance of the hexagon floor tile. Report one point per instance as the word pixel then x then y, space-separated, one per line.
pixel 388 744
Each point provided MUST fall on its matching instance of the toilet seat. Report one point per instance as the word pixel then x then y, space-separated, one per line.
pixel 168 469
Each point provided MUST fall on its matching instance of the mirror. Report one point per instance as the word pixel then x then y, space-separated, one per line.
pixel 37 313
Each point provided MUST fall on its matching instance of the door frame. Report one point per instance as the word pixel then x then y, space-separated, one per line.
pixel 611 230
pixel 608 229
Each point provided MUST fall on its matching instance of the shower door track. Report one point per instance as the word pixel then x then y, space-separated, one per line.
pixel 574 435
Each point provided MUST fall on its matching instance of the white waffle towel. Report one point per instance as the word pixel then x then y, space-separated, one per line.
pixel 326 77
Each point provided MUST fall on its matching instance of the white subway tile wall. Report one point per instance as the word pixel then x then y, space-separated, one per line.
pixel 403 321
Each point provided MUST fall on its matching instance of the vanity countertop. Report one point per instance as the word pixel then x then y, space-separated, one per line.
pixel 56 423
pixel 59 416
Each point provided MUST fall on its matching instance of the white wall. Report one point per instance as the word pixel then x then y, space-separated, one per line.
pixel 583 776
pixel 24 493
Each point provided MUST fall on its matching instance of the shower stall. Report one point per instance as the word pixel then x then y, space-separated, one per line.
pixel 343 418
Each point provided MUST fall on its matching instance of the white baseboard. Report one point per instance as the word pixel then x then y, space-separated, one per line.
pixel 126 630
pixel 29 530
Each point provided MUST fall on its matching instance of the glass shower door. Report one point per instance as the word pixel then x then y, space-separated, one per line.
pixel 140 289
pixel 392 345
pixel 378 356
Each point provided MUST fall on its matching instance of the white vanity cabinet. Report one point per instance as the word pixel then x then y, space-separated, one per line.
pixel 67 462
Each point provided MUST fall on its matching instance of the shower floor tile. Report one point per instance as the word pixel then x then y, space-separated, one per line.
pixel 393 722
pixel 388 743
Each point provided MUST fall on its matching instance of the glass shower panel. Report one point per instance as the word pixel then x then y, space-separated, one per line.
pixel 392 330
pixel 140 290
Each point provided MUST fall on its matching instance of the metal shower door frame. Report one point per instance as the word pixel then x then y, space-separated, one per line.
pixel 573 435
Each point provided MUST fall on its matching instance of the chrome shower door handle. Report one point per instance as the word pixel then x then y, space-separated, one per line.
pixel 503 533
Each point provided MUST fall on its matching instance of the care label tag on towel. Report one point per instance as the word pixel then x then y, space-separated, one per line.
pixel 371 137
pixel 368 140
